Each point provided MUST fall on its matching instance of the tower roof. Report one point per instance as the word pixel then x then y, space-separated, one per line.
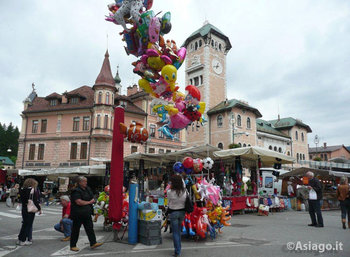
pixel 205 30
pixel 105 78
pixel 117 79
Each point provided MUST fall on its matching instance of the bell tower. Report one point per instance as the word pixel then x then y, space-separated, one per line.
pixel 205 68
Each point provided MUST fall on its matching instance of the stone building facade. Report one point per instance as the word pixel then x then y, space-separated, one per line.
pixel 232 121
pixel 76 128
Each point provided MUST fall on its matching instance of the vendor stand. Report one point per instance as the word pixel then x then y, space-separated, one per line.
pixel 252 158
pixel 328 178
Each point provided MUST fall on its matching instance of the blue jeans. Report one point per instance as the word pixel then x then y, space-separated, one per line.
pixel 176 219
pixel 67 227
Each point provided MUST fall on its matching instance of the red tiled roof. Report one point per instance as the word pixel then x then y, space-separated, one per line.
pixel 41 105
pixel 54 95
pixel 105 77
pixel 130 106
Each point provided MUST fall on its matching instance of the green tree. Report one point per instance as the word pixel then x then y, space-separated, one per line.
pixel 232 146
pixel 9 140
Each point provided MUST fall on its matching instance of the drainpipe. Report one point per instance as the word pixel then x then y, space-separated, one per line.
pixel 24 141
pixel 91 117
pixel 209 124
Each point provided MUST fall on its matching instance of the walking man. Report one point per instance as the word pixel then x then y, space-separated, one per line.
pixel 315 197
pixel 65 224
pixel 81 211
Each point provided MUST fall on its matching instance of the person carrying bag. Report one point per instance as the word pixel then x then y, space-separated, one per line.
pixel 30 205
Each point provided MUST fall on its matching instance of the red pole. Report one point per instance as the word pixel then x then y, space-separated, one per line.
pixel 117 162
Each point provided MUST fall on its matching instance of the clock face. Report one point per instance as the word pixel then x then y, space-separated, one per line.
pixel 217 66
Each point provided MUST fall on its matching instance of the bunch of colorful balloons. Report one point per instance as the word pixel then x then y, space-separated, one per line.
pixel 188 166
pixel 158 63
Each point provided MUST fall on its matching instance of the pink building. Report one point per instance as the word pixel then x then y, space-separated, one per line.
pixel 75 128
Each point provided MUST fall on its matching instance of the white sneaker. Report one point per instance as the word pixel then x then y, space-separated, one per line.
pixel 28 242
pixel 20 243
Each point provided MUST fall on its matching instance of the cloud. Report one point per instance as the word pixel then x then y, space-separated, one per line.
pixel 288 57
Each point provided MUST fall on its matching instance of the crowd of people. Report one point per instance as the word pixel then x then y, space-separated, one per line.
pixel 77 208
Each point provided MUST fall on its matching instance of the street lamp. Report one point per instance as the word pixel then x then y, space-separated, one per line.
pixel 9 150
pixel 316 141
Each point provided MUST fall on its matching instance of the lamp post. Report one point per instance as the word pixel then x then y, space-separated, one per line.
pixel 316 141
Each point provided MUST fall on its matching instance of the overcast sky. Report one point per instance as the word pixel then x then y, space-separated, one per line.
pixel 291 57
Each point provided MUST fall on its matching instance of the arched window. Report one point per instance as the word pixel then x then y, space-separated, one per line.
pixel 239 121
pixel 249 145
pixel 288 153
pixel 302 136
pixel 270 147
pixel 297 157
pixel 196 46
pixel 98 121
pixel 99 98
pixel 244 145
pixel 240 145
pixel 219 120
pixel 322 156
pixel 304 157
pixel 220 47
pixel 221 146
pixel 107 98
pixel 325 157
pixel 275 148
pixel 212 42
pixel 248 122
pixel 191 82
pixel 280 149
pixel 296 135
pixel 200 42
pixel 106 122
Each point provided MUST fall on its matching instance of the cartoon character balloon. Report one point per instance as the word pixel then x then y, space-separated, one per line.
pixel 158 62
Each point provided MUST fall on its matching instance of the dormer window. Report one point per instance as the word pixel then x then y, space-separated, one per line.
pixel 74 100
pixel 123 103
pixel 53 102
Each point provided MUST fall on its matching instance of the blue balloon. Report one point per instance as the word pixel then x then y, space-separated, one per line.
pixel 188 171
pixel 178 167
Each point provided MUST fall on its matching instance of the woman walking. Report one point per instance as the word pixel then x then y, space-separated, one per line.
pixel 28 192
pixel 176 202
pixel 344 199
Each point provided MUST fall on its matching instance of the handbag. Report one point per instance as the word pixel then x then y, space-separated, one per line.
pixel 31 206
pixel 188 203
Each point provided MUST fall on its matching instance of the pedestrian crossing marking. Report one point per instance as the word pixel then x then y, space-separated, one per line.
pixel 9 215
pixel 142 247
pixel 83 242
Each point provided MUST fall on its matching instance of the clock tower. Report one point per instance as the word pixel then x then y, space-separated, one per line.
pixel 205 65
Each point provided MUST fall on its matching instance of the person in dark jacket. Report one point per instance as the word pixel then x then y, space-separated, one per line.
pixel 82 200
pixel 315 201
pixel 29 191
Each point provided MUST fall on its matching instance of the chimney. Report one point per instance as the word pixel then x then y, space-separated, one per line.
pixel 64 98
pixel 132 90
pixel 325 145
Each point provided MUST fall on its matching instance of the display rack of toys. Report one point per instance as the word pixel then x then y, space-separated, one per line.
pixel 209 215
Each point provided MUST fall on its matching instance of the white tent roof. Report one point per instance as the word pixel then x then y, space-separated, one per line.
pixel 267 157
pixel 85 170
pixel 157 160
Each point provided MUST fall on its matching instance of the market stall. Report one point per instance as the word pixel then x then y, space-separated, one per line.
pixel 243 195
pixel 328 178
